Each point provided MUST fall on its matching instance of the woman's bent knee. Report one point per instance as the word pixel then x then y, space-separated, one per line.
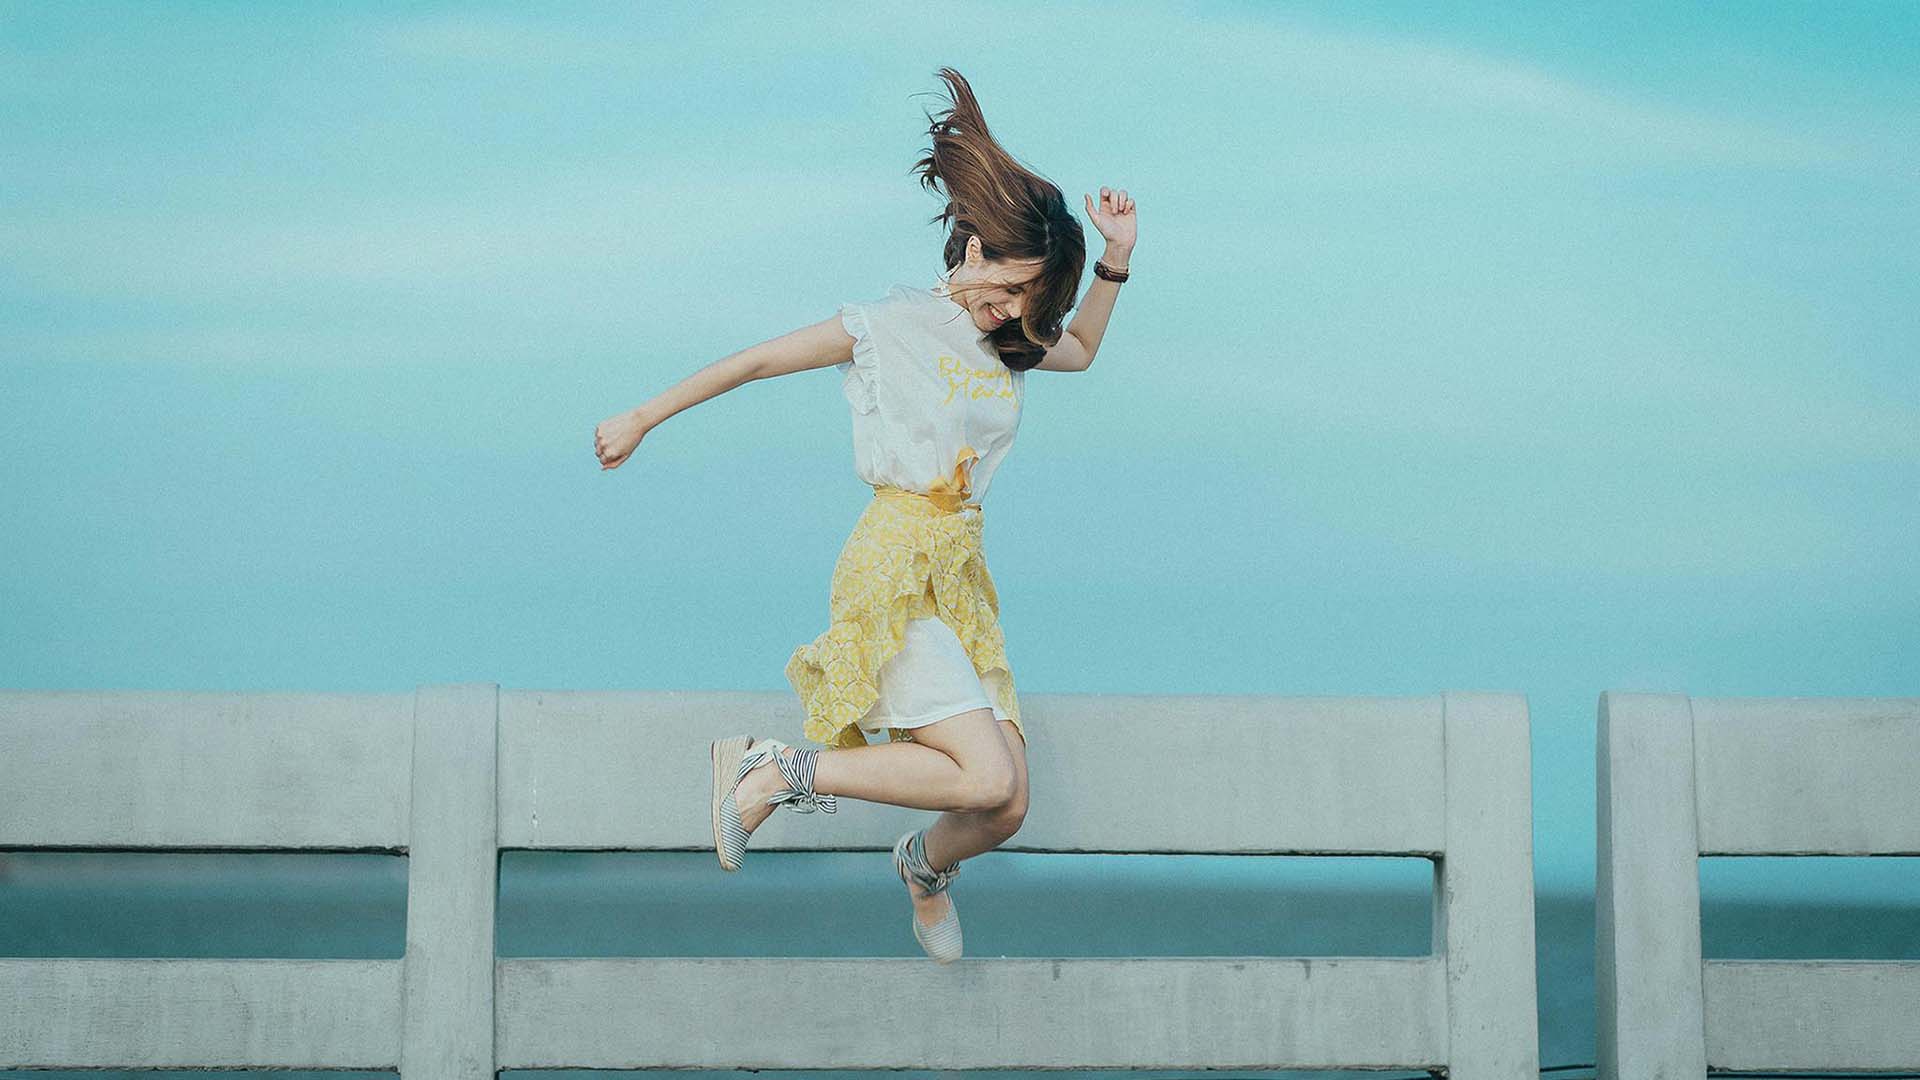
pixel 989 789
pixel 1005 819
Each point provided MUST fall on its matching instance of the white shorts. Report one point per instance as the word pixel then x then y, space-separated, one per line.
pixel 929 679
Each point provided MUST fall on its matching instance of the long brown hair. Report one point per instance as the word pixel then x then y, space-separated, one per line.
pixel 1017 214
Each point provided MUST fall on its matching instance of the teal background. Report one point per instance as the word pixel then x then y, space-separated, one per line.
pixel 1509 347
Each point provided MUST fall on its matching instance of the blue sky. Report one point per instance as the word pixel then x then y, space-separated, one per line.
pixel 1470 346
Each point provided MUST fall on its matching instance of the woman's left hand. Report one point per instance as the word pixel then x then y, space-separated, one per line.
pixel 1113 217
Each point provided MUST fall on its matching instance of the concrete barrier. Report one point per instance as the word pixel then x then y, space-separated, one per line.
pixel 1679 778
pixel 451 775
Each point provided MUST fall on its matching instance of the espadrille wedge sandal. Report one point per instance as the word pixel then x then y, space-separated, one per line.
pixel 941 941
pixel 733 758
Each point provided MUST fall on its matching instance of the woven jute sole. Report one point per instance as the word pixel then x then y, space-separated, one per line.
pixel 725 755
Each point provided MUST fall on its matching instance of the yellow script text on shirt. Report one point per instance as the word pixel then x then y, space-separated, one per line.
pixel 975 382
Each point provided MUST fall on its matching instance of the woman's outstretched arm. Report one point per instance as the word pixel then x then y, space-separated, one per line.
pixel 820 345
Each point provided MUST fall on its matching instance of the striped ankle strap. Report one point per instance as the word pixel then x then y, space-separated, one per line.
pixel 910 859
pixel 800 796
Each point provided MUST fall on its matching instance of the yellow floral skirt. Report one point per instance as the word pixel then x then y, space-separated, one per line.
pixel 910 556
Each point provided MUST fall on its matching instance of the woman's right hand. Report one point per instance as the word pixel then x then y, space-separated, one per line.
pixel 616 437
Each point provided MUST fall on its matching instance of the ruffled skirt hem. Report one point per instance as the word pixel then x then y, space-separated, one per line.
pixel 904 560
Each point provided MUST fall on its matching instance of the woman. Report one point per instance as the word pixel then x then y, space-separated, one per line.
pixel 935 377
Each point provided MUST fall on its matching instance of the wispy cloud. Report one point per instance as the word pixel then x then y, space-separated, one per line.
pixel 1505 98
pixel 493 38
pixel 1432 76
pixel 566 221
pixel 1310 102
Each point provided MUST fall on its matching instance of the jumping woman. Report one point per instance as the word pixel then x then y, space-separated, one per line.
pixel 935 378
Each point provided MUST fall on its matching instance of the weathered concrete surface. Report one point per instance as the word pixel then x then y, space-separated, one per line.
pixel 1803 776
pixel 1483 888
pixel 204 769
pixel 453 859
pixel 1813 1014
pixel 179 1013
pixel 1682 777
pixel 1135 773
pixel 452 774
pixel 1144 1013
pixel 1647 892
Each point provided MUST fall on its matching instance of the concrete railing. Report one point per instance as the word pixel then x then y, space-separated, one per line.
pixel 1684 777
pixel 451 775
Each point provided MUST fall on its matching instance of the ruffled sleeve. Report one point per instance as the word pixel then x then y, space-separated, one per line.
pixel 862 372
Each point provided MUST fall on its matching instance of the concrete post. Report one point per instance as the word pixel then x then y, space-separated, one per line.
pixel 1483 889
pixel 1651 1013
pixel 452 879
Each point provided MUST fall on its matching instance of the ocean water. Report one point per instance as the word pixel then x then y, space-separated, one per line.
pixel 849 904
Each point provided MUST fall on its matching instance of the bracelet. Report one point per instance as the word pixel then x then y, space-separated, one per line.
pixel 1107 273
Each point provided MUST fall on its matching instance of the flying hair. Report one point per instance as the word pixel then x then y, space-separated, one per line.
pixel 1018 215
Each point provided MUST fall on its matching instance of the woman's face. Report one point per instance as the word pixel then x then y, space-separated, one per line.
pixel 997 291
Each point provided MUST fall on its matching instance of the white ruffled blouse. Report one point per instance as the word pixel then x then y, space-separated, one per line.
pixel 925 385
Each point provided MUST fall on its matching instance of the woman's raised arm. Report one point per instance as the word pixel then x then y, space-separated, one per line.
pixel 821 344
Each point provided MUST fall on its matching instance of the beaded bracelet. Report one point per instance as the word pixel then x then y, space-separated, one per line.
pixel 1103 271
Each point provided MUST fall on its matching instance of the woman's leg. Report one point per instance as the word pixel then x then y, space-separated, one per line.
pixel 961 835
pixel 961 764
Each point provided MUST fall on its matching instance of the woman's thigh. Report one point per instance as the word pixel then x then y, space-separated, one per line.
pixel 972 739
pixel 976 740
